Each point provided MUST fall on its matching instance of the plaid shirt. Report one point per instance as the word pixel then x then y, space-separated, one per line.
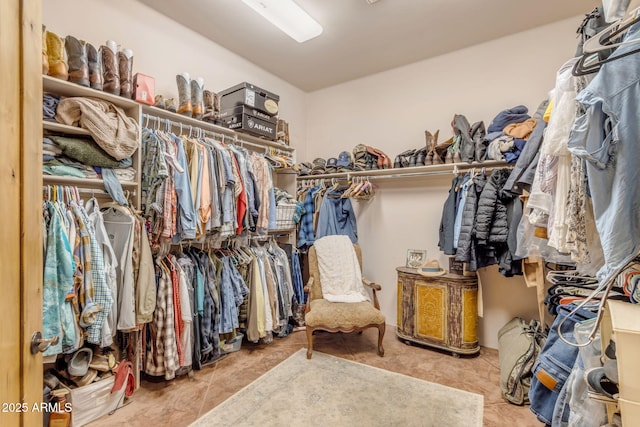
pixel 307 236
pixel 85 292
pixel 162 351
pixel 102 294
pixel 154 168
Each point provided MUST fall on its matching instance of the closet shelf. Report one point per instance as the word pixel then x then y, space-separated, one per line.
pixel 282 231
pixel 210 127
pixel 65 88
pixel 415 171
pixel 82 182
pixel 60 128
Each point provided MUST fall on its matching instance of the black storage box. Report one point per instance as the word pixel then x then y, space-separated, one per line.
pixel 251 96
pixel 243 109
pixel 251 124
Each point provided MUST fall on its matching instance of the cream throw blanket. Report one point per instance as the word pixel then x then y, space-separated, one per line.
pixel 109 126
pixel 340 274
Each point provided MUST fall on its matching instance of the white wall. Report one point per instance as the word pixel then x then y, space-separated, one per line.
pixel 163 48
pixel 391 111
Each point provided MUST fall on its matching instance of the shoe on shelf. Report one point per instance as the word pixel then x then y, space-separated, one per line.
pixel 609 361
pixel 79 363
pixel 601 387
pixel 55 53
pixel 159 102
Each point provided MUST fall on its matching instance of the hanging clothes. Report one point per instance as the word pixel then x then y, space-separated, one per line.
pixel 57 311
pixel 120 225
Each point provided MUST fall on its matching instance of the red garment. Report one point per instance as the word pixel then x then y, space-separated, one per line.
pixel 177 312
pixel 242 199
pixel 124 371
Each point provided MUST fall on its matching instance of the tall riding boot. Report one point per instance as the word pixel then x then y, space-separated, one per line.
pixel 197 101
pixel 45 57
pixel 125 66
pixel 184 95
pixel 55 51
pixel 94 57
pixel 110 69
pixel 77 61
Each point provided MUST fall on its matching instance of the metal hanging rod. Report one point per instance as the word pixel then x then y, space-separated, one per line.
pixel 416 171
pixel 234 140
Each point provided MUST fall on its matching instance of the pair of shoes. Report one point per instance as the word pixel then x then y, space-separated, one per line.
pixel 118 69
pixel 168 104
pixel 191 96
pixel 403 159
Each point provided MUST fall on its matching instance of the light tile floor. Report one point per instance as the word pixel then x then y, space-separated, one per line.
pixel 181 401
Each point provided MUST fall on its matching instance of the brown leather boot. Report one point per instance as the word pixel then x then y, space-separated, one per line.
pixel 197 95
pixel 77 61
pixel 94 58
pixel 55 51
pixel 45 57
pixel 211 105
pixel 432 143
pixel 184 95
pixel 111 72
pixel 125 67
pixel 441 151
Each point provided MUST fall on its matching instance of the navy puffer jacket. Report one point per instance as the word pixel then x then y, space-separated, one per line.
pixel 491 218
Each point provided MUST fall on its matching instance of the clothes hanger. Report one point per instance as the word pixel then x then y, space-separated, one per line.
pixel 602 40
pixel 591 60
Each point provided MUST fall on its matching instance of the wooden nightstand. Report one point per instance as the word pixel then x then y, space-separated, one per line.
pixel 440 311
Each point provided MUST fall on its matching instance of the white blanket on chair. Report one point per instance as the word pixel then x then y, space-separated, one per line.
pixel 340 274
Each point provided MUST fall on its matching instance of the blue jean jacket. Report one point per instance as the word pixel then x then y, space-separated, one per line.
pixel 607 138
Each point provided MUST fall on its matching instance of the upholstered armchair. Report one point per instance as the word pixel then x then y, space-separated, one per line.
pixel 322 314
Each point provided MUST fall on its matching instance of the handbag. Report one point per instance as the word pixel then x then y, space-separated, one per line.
pixel 519 344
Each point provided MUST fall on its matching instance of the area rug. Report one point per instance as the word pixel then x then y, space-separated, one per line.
pixel 330 391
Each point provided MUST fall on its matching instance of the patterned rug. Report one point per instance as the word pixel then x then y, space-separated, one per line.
pixel 330 391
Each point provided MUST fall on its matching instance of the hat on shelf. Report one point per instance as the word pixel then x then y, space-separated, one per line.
pixel 344 159
pixel 431 268
pixel 303 168
pixel 318 166
pixel 332 165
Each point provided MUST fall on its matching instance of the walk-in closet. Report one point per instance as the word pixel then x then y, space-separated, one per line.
pixel 303 212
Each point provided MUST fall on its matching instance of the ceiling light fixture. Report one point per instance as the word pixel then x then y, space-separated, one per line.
pixel 288 17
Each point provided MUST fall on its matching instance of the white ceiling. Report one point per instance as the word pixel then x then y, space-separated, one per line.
pixel 361 39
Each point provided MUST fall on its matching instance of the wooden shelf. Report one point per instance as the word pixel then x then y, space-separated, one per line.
pixel 66 88
pixel 81 182
pixel 210 127
pixel 60 128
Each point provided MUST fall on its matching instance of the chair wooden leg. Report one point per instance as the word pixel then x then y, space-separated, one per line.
pixel 309 342
pixel 381 329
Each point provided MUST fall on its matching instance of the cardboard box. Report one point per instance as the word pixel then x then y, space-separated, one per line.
pixel 250 95
pixel 144 89
pixel 94 401
pixel 243 109
pixel 252 125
